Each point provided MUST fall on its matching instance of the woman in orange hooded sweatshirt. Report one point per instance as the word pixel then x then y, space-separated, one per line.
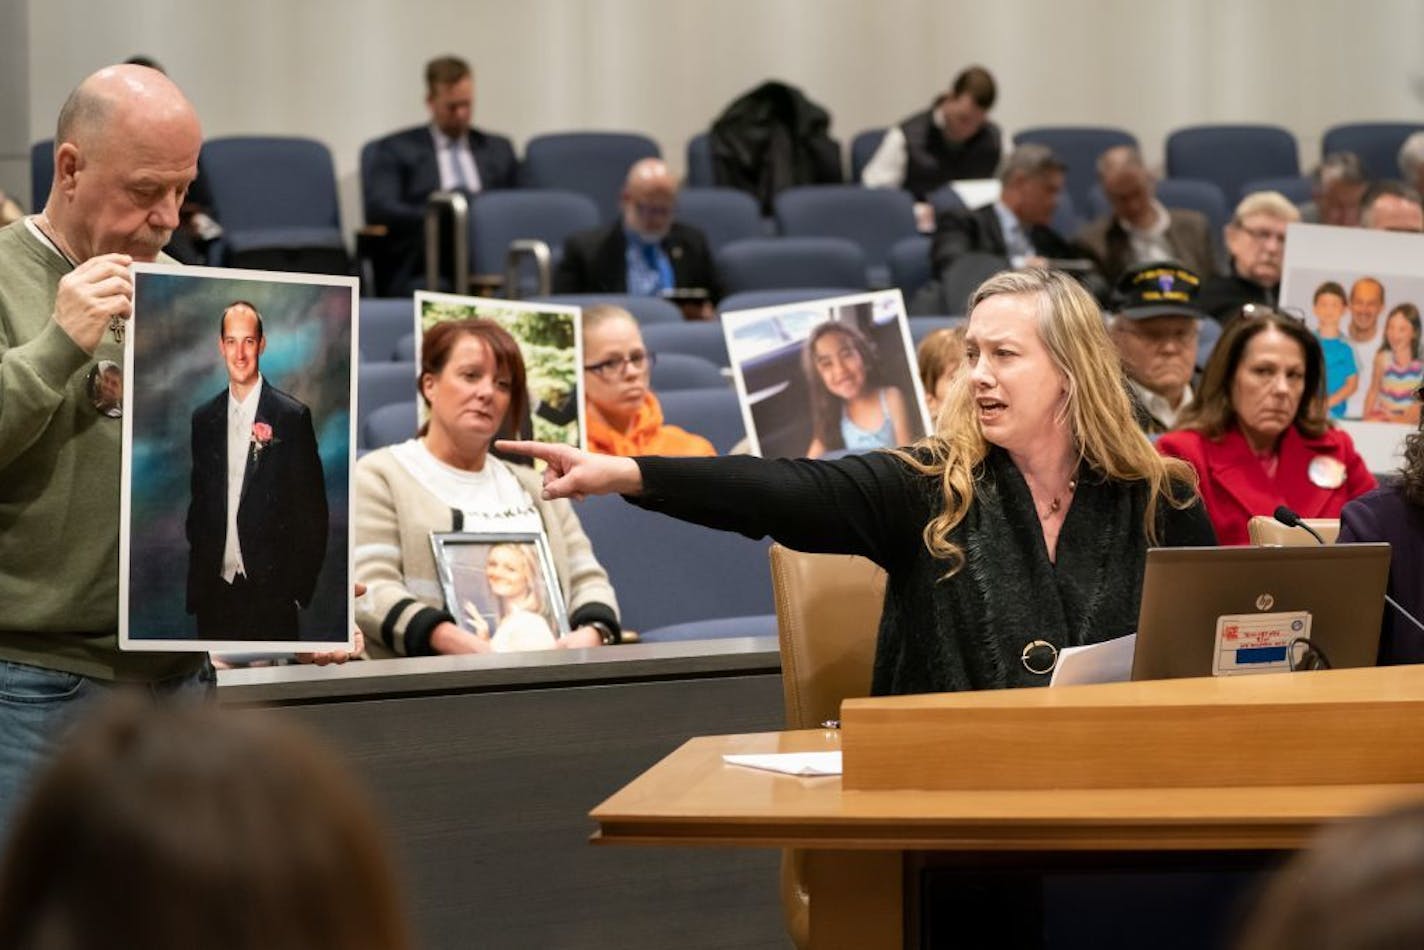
pixel 623 415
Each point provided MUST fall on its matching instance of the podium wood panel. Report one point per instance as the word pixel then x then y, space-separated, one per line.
pixel 1357 726
pixel 692 797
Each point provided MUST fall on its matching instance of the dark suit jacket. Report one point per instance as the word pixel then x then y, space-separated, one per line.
pixel 960 234
pixel 978 231
pixel 595 261
pixel 1225 293
pixel 1385 515
pixel 1187 234
pixel 281 518
pixel 402 173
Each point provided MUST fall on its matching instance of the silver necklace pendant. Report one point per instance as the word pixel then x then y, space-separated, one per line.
pixel 116 327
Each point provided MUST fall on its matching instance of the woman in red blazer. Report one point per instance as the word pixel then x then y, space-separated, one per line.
pixel 1257 433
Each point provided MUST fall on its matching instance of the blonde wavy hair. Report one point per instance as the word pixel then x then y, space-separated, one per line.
pixel 1097 409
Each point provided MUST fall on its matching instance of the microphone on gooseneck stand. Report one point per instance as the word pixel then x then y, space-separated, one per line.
pixel 1292 520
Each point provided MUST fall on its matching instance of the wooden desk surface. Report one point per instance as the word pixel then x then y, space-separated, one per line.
pixel 692 797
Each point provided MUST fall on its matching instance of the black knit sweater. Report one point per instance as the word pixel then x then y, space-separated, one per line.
pixel 941 634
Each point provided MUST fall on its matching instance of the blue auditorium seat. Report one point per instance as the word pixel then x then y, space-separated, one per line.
pixel 1232 155
pixel 775 263
pixel 719 628
pixel 755 299
pixel 1208 333
pixel 702 338
pixel 678 371
pixel 1078 147
pixel 921 327
pixel 862 149
pixel 41 173
pixel 712 413
pixel 277 201
pixel 383 321
pixel 499 217
pixel 646 310
pixel 405 349
pixel 666 571
pixel 910 264
pixel 722 214
pixel 389 424
pixel 594 164
pixel 381 384
pixel 874 218
pixel 700 170
pixel 1376 143
pixel 1296 188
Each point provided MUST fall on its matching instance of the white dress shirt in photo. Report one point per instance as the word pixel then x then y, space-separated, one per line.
pixel 241 415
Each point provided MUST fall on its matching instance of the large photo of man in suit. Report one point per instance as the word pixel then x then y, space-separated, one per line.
pixel 257 513
pixel 239 441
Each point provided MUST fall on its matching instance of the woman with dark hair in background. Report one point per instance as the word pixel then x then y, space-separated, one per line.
pixel 472 380
pixel 1257 433
pixel 1395 513
pixel 177 826
pixel 850 411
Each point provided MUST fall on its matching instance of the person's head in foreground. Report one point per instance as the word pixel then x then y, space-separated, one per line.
pixel 1256 236
pixel 175 826
pixel 126 150
pixel 1357 887
pixel 1154 327
pixel 941 355
pixel 472 380
pixel 1265 376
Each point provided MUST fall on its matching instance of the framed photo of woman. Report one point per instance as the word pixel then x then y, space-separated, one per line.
pixel 502 586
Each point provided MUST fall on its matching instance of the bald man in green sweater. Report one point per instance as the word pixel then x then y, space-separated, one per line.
pixel 126 149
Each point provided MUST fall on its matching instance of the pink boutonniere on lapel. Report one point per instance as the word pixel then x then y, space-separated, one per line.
pixel 261 438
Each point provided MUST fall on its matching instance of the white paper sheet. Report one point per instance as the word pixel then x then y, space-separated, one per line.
pixel 791 763
pixel 1107 662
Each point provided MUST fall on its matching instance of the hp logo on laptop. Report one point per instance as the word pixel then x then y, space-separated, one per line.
pixel 1265 602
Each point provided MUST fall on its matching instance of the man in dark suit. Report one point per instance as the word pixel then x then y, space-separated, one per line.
pixel 1139 229
pixel 644 253
pixel 1012 232
pixel 257 518
pixel 405 168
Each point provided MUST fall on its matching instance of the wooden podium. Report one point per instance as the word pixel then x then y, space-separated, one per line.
pixel 1224 765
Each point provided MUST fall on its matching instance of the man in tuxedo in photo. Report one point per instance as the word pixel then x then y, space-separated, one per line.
pixel 257 518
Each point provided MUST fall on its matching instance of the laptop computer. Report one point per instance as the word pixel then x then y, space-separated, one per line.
pixel 1226 611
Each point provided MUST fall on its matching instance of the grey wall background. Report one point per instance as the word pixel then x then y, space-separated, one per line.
pixel 344 71
pixel 14 99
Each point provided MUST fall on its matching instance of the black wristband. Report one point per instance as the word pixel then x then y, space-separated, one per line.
pixel 607 634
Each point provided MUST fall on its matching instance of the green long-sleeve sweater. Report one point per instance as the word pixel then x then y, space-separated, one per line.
pixel 59 486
